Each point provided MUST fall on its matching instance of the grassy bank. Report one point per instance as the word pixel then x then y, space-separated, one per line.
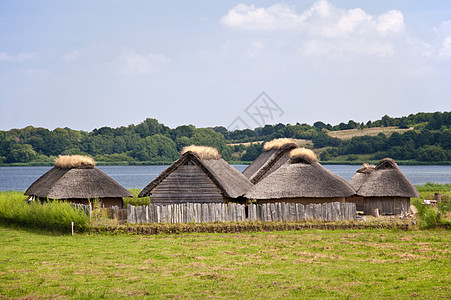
pixel 303 264
pixel 55 216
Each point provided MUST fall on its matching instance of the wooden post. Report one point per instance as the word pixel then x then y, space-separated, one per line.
pixel 211 212
pixel 437 197
pixel 301 211
pixel 375 212
pixel 273 208
pixel 72 225
pixel 158 209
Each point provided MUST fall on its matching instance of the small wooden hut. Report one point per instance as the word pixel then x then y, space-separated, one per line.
pixel 200 175
pixel 301 180
pixel 275 153
pixel 75 179
pixel 386 188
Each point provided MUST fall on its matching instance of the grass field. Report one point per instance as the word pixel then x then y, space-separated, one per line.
pixel 350 133
pixel 302 264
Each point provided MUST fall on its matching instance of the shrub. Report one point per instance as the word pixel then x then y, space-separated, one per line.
pixel 352 157
pixel 429 215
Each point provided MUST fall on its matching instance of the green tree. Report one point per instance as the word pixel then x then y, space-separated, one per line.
pixel 21 153
pixel 431 153
pixel 325 156
pixel 252 152
pixel 208 137
pixel 156 148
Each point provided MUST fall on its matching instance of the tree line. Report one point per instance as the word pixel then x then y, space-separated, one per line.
pixel 153 142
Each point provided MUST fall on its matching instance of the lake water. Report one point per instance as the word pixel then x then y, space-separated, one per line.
pixel 20 178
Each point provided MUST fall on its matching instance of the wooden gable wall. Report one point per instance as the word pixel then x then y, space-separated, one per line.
pixel 187 183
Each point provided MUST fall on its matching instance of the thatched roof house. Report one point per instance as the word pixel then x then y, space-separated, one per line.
pixel 302 180
pixel 76 179
pixel 275 153
pixel 385 188
pixel 200 175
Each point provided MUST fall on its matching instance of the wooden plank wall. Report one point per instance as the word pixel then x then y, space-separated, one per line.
pixel 188 183
pixel 387 205
pixel 231 212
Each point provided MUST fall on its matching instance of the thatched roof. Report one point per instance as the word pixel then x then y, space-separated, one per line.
pixel 387 180
pixel 273 152
pixel 361 175
pixel 301 177
pixel 229 180
pixel 75 178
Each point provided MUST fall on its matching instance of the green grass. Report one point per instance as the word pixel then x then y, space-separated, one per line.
pixel 303 264
pixel 428 214
pixel 434 187
pixel 56 215
pixel 135 200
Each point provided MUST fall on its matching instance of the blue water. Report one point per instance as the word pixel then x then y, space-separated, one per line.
pixel 20 178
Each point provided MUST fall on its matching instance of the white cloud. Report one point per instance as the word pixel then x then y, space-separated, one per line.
pixel 324 29
pixel 332 21
pixel 18 58
pixel 444 34
pixel 444 29
pixel 390 23
pixel 134 63
pixel 71 56
pixel 445 49
pixel 278 16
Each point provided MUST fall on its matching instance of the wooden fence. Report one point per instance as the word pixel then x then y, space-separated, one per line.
pixel 231 212
pixel 87 209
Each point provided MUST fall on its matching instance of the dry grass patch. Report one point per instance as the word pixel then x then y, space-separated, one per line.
pixel 350 133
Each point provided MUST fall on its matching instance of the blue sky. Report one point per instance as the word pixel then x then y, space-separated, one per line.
pixel 88 64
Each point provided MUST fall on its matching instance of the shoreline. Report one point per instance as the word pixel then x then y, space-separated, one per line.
pixel 166 163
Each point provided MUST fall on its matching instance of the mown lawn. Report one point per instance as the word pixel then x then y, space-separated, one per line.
pixel 320 264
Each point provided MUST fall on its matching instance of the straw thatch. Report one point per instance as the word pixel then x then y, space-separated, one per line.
pixel 197 178
pixel 301 177
pixel 76 178
pixel 277 144
pixel 361 176
pixel 387 180
pixel 203 152
pixel 74 161
pixel 275 153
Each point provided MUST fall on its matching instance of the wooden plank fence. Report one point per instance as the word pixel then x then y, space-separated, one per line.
pixel 87 209
pixel 231 212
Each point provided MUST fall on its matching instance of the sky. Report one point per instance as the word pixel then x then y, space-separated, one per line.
pixel 237 64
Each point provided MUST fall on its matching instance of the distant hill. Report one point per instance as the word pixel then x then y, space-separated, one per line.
pixel 422 137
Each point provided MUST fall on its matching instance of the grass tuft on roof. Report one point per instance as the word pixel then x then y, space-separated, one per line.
pixel 366 168
pixel 74 162
pixel 303 155
pixel 203 152
pixel 277 143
